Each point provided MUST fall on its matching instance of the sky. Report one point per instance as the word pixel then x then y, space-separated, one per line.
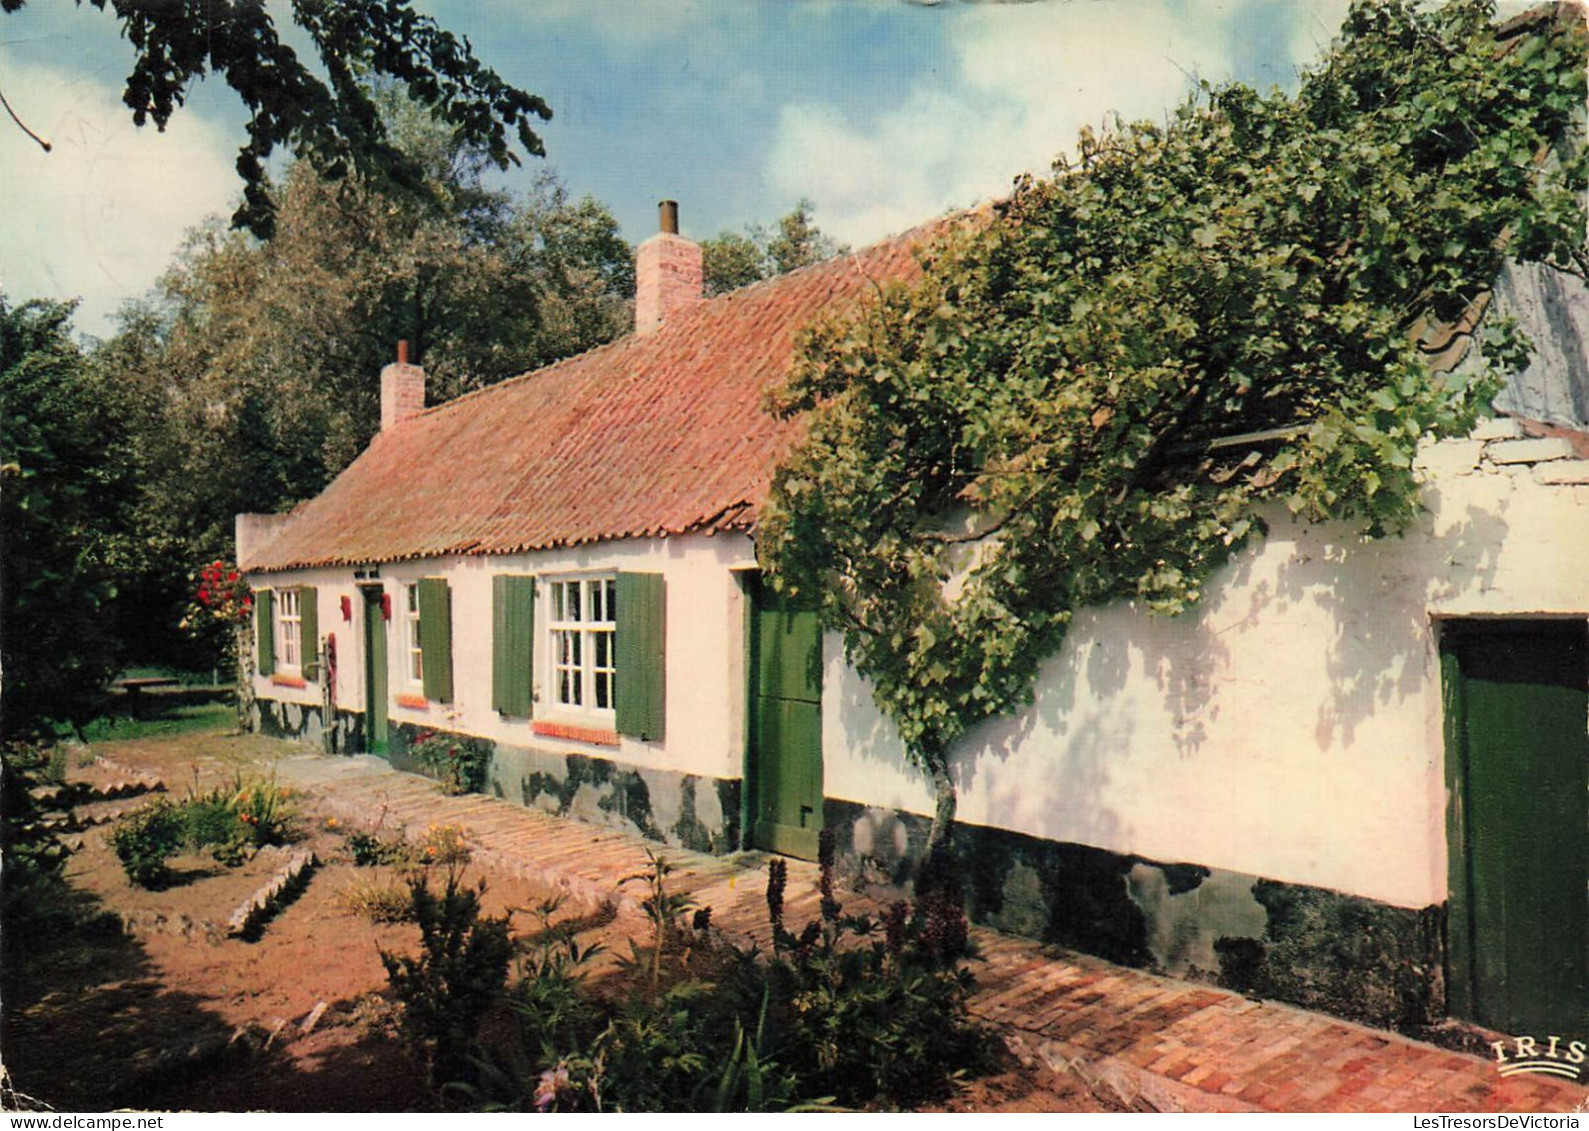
pixel 882 113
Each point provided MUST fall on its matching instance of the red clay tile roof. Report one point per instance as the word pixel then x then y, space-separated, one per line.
pixel 651 435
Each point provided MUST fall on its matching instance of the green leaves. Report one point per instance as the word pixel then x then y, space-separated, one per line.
pixel 1029 431
pixel 330 121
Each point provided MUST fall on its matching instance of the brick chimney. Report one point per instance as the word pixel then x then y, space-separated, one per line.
pixel 667 273
pixel 402 389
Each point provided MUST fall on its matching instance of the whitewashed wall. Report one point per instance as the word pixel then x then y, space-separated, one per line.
pixel 1289 728
pixel 331 585
pixel 705 651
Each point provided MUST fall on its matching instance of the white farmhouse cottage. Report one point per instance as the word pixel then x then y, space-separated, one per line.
pixel 1356 777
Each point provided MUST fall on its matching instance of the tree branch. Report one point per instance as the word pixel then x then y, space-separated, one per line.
pixel 21 125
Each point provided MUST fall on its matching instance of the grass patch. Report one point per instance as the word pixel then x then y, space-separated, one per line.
pixel 189 718
pixel 378 900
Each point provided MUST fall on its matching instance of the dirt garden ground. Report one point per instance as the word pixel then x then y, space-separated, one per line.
pixel 169 1012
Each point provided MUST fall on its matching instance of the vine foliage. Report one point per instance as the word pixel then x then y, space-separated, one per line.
pixel 1027 430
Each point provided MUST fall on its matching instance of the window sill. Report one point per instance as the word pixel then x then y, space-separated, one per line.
pixel 288 681
pixel 413 702
pixel 596 736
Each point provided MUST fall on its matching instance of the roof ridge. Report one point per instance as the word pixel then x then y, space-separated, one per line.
pixel 694 312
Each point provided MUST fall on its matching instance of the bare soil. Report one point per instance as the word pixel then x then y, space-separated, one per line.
pixel 160 1009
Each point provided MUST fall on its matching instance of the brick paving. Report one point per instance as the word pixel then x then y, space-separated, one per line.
pixel 1152 1042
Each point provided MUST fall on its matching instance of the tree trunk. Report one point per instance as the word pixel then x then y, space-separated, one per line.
pixel 945 799
pixel 937 876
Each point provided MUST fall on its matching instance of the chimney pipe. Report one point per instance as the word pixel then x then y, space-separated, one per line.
pixel 402 351
pixel 669 212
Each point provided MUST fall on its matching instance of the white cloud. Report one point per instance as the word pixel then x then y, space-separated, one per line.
pixel 100 216
pixel 1029 77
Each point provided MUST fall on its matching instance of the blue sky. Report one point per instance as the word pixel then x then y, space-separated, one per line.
pixel 882 112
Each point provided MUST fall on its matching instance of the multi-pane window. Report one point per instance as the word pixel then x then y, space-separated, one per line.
pixel 582 630
pixel 289 626
pixel 415 659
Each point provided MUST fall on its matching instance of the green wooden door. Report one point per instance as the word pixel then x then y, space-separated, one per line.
pixel 375 723
pixel 1517 709
pixel 786 725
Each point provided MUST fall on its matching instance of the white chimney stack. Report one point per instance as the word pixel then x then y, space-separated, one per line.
pixel 402 389
pixel 667 273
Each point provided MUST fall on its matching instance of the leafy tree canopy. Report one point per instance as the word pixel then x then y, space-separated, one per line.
pixel 731 260
pixel 1028 431
pixel 249 379
pixel 327 118
pixel 57 649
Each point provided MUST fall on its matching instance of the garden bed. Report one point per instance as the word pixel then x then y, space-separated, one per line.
pixel 171 1013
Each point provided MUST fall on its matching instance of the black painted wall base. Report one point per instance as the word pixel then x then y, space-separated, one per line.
pixel 1321 949
pixel 1324 950
pixel 683 810
pixel 305 722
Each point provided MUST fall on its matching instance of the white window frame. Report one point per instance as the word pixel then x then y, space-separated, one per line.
pixel 289 631
pixel 580 652
pixel 413 655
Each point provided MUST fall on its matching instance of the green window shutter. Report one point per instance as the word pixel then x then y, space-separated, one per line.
pixel 435 638
pixel 265 630
pixel 512 644
pixel 640 626
pixel 308 633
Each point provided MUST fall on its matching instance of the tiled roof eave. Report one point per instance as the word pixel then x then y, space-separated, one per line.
pixel 738 519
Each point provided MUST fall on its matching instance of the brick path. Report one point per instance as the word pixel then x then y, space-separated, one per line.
pixel 1152 1042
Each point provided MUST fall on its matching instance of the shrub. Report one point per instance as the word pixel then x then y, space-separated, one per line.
pixel 869 1012
pixel 461 969
pixel 368 850
pixel 34 899
pixel 144 840
pixel 457 762
pixel 858 1011
pixel 379 901
pixel 443 844
pixel 268 811
pixel 211 822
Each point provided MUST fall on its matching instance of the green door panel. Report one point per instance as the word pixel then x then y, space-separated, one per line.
pixel 789 659
pixel 786 725
pixel 789 816
pixel 1520 828
pixel 375 707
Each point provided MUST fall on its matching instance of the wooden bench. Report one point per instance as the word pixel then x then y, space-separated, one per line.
pixel 133 690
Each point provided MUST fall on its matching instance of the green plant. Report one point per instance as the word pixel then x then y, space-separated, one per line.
pixel 369 850
pixel 146 839
pixel 54 768
pixel 850 1010
pixel 232 820
pixel 861 1010
pixel 555 1019
pixel 459 972
pixel 443 844
pixel 663 908
pixel 268 810
pixel 33 857
pixel 750 1080
pixel 378 900
pixel 457 762
pixel 1028 431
